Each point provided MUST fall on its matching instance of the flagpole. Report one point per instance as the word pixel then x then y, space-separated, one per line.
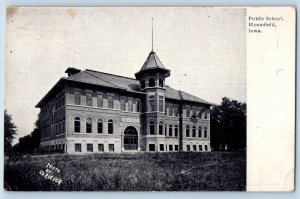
pixel 152 35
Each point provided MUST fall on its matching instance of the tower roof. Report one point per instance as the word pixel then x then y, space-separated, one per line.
pixel 153 63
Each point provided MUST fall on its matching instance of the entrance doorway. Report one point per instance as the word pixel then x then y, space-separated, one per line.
pixel 130 138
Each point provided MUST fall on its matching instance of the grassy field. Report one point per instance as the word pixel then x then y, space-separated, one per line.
pixel 215 171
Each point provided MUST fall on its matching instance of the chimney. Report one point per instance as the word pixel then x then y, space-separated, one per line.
pixel 71 71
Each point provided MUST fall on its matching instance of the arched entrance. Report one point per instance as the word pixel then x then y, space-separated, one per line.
pixel 130 138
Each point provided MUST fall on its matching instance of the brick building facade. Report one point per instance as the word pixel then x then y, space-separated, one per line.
pixel 94 112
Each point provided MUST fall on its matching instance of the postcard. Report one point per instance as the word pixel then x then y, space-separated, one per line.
pixel 149 99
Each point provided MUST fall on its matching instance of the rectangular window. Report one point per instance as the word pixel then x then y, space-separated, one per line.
pixel 77 147
pixel 176 147
pixel 188 147
pixel 151 103
pixel 89 101
pixel 101 147
pixel 205 115
pixel 122 101
pixel 161 104
pixel 200 147
pixel 137 106
pixel 176 111
pixel 100 101
pixel 77 98
pixel 205 147
pixel 194 113
pixel 170 111
pixel 151 147
pixel 161 147
pixel 111 147
pixel 194 148
pixel 170 147
pixel 187 112
pixel 130 105
pixel 89 147
pixel 110 101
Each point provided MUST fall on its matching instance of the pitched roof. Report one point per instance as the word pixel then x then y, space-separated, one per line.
pixel 128 84
pixel 189 97
pixel 153 63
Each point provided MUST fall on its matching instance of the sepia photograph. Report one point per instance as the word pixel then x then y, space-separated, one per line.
pixel 125 99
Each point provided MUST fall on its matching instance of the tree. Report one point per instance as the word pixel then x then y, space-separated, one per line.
pixel 228 125
pixel 9 132
pixel 28 143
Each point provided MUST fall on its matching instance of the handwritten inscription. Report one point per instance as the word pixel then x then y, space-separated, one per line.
pixel 50 173
pixel 256 24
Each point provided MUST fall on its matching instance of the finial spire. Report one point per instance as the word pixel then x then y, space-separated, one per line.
pixel 152 36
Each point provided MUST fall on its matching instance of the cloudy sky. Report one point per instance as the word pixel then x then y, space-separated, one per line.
pixel 205 49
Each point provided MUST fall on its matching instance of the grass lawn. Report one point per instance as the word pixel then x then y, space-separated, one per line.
pixel 183 171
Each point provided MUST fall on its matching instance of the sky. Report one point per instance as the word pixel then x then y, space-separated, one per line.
pixel 205 49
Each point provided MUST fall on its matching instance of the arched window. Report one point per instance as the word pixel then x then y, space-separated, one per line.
pixel 89 123
pixel 161 82
pixel 77 125
pixel 194 131
pixel 187 131
pixel 160 128
pixel 170 130
pixel 152 128
pixel 100 125
pixel 205 132
pixel 110 126
pixel 143 84
pixel 151 82
pixel 200 131
pixel 165 130
pixel 176 131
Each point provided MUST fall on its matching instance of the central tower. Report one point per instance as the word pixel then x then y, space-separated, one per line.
pixel 152 77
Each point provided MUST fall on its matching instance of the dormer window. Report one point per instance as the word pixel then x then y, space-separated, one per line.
pixel 143 84
pixel 161 82
pixel 151 82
